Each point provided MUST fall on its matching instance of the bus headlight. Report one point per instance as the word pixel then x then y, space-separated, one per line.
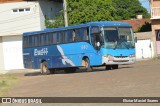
pixel 132 55
pixel 107 56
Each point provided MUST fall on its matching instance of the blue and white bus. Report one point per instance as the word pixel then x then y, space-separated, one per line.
pixel 107 43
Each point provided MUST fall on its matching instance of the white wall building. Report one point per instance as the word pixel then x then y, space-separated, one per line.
pixel 16 17
pixel 144 46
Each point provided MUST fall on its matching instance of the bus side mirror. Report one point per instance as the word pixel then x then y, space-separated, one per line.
pixel 98 44
pixel 135 39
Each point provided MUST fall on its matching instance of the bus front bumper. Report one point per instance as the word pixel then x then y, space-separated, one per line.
pixel 111 60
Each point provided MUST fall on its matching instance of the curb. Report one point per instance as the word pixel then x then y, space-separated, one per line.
pixel 18 71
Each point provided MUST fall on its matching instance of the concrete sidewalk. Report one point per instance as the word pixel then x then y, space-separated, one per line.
pixel 18 71
pixel 3 71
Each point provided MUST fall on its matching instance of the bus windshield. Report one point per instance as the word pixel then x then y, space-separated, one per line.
pixel 118 38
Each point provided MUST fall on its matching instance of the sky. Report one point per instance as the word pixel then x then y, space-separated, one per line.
pixel 145 3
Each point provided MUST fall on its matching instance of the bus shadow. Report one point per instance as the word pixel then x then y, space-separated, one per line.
pixel 33 74
pixel 95 69
pixel 125 66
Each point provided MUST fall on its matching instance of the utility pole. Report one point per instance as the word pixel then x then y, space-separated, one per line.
pixel 65 13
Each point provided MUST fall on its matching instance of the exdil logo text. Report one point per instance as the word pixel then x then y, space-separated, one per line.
pixel 43 51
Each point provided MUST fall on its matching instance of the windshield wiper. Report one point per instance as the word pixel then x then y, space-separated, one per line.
pixel 120 42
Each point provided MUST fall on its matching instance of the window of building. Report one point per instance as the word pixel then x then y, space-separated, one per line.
pixel 27 9
pixel 19 10
pixel 15 10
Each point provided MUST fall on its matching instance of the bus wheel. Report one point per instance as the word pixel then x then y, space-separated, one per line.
pixel 70 70
pixel 108 67
pixel 44 68
pixel 87 65
pixel 114 66
pixel 52 71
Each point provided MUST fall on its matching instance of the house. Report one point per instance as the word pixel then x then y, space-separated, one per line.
pixel 18 16
pixel 155 20
pixel 137 23
pixel 144 45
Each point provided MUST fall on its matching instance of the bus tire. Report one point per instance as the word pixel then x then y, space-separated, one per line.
pixel 70 70
pixel 52 71
pixel 87 65
pixel 115 66
pixel 108 67
pixel 44 68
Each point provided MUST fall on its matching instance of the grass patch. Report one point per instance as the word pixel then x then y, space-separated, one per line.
pixel 7 81
pixel 156 58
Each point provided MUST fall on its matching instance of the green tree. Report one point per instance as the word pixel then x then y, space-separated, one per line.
pixel 127 9
pixel 83 11
pixel 57 22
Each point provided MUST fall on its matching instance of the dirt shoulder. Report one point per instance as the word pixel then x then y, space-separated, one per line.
pixel 140 79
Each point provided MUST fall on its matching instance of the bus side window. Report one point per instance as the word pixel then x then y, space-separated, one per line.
pixel 33 42
pixel 41 40
pixel 85 34
pixel 58 38
pixel 77 35
pixel 93 38
pixel 82 34
pixel 68 36
pixel 30 41
pixel 73 35
pixel 95 29
pixel 96 36
pixel 55 38
pixel 65 37
pixel 50 37
pixel 62 36
pixel 25 42
pixel 36 40
pixel 46 39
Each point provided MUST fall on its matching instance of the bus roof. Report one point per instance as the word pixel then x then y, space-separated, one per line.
pixel 100 23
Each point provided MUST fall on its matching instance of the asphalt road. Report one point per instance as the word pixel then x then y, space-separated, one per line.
pixel 138 80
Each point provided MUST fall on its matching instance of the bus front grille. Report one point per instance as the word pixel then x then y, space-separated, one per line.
pixel 120 56
pixel 120 60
